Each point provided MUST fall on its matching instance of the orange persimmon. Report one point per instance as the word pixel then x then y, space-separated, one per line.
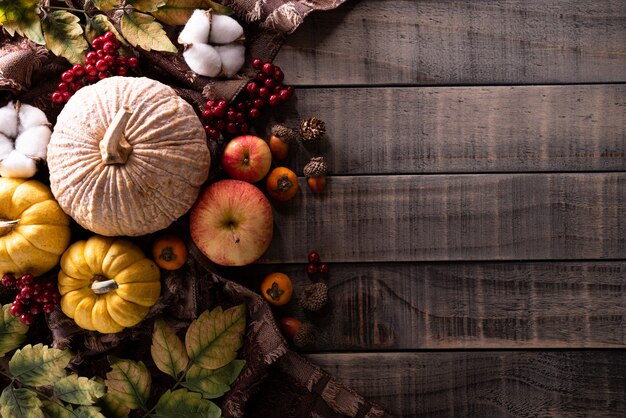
pixel 277 288
pixel 282 184
pixel 169 252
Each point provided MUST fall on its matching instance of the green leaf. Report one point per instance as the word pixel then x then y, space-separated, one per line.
pixel 213 383
pixel 177 12
pixel 78 390
pixel 168 351
pixel 21 17
pixel 64 36
pixel 12 331
pixel 39 365
pixel 182 403
pixel 112 407
pixel 87 412
pixel 147 5
pixel 129 382
pixel 19 403
pixel 213 339
pixel 55 410
pixel 106 5
pixel 141 30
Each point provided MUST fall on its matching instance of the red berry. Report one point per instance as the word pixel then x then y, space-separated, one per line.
pixel 274 100
pixel 258 103
pixel 264 92
pixel 278 75
pixel 66 96
pixel 63 86
pixel 26 292
pixel 77 86
pixel 35 309
pixel 244 128
pixel 8 281
pixel 314 257
pixel 257 63
pixel 323 269
pixel 260 76
pixel 231 128
pixel 27 280
pixel 67 76
pixel 284 95
pixel 17 309
pixel 121 60
pixel 78 70
pixel 207 114
pixel 212 132
pixel 91 70
pixel 109 59
pixel 268 68
pixel 133 62
pixel 56 297
pixel 219 111
pixel 121 71
pixel 101 54
pixel 109 37
pixel 254 113
pixel 92 78
pixel 220 124
pixel 57 97
pixel 222 103
pixel 231 115
pixel 46 296
pixel 269 83
pixel 241 106
pixel 239 117
pixel 102 65
pixel 311 269
pixel 27 319
pixel 20 299
pixel 91 58
pixel 109 48
pixel 210 103
pixel 51 286
pixel 102 75
pixel 97 43
pixel 277 89
pixel 252 88
pixel 48 308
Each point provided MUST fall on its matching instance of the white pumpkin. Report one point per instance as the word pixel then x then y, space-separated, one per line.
pixel 127 156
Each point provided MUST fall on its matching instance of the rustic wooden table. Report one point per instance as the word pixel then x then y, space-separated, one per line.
pixel 475 220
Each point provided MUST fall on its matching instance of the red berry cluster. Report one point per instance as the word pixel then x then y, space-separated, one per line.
pixel 33 297
pixel 266 89
pixel 315 266
pixel 104 61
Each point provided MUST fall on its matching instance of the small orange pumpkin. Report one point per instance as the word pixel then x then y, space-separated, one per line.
pixel 277 288
pixel 169 252
pixel 282 184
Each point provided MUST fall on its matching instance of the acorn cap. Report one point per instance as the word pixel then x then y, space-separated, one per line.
pixel 312 129
pixel 305 335
pixel 317 167
pixel 285 133
pixel 314 297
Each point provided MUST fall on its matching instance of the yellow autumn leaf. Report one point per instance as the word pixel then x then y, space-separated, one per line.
pixel 141 30
pixel 64 36
pixel 177 12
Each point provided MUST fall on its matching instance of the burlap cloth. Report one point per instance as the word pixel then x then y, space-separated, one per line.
pixel 276 381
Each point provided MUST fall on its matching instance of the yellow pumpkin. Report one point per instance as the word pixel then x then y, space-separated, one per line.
pixel 34 230
pixel 107 284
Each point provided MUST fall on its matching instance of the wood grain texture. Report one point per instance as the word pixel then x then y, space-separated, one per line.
pixel 407 306
pixel 482 384
pixel 466 129
pixel 460 42
pixel 456 217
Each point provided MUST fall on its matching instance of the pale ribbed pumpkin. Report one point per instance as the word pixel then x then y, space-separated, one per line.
pixel 107 284
pixel 127 156
pixel 34 231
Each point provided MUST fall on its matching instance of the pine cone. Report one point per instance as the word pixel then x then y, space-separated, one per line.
pixel 317 167
pixel 312 129
pixel 314 296
pixel 305 335
pixel 285 133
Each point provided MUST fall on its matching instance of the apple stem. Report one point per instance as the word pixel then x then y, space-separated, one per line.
pixel 235 236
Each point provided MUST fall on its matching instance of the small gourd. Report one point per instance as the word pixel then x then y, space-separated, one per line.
pixel 107 284
pixel 127 156
pixel 34 231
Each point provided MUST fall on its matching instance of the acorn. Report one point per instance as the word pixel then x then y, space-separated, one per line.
pixel 314 297
pixel 312 129
pixel 301 333
pixel 280 138
pixel 315 172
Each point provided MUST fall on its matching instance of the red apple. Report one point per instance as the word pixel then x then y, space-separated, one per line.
pixel 247 158
pixel 232 223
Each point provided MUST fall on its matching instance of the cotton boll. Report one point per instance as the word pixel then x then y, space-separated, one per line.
pixel 17 165
pixel 196 29
pixel 33 142
pixel 8 120
pixel 6 146
pixel 203 59
pixel 233 57
pixel 30 116
pixel 224 30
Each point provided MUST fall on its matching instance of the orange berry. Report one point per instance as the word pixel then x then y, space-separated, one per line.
pixel 277 289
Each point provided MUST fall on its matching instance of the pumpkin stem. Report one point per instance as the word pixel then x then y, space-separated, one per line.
pixel 114 147
pixel 104 286
pixel 7 226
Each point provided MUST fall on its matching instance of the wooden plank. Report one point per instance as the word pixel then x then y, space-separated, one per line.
pixel 456 217
pixel 481 384
pixel 460 42
pixel 466 129
pixel 407 306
